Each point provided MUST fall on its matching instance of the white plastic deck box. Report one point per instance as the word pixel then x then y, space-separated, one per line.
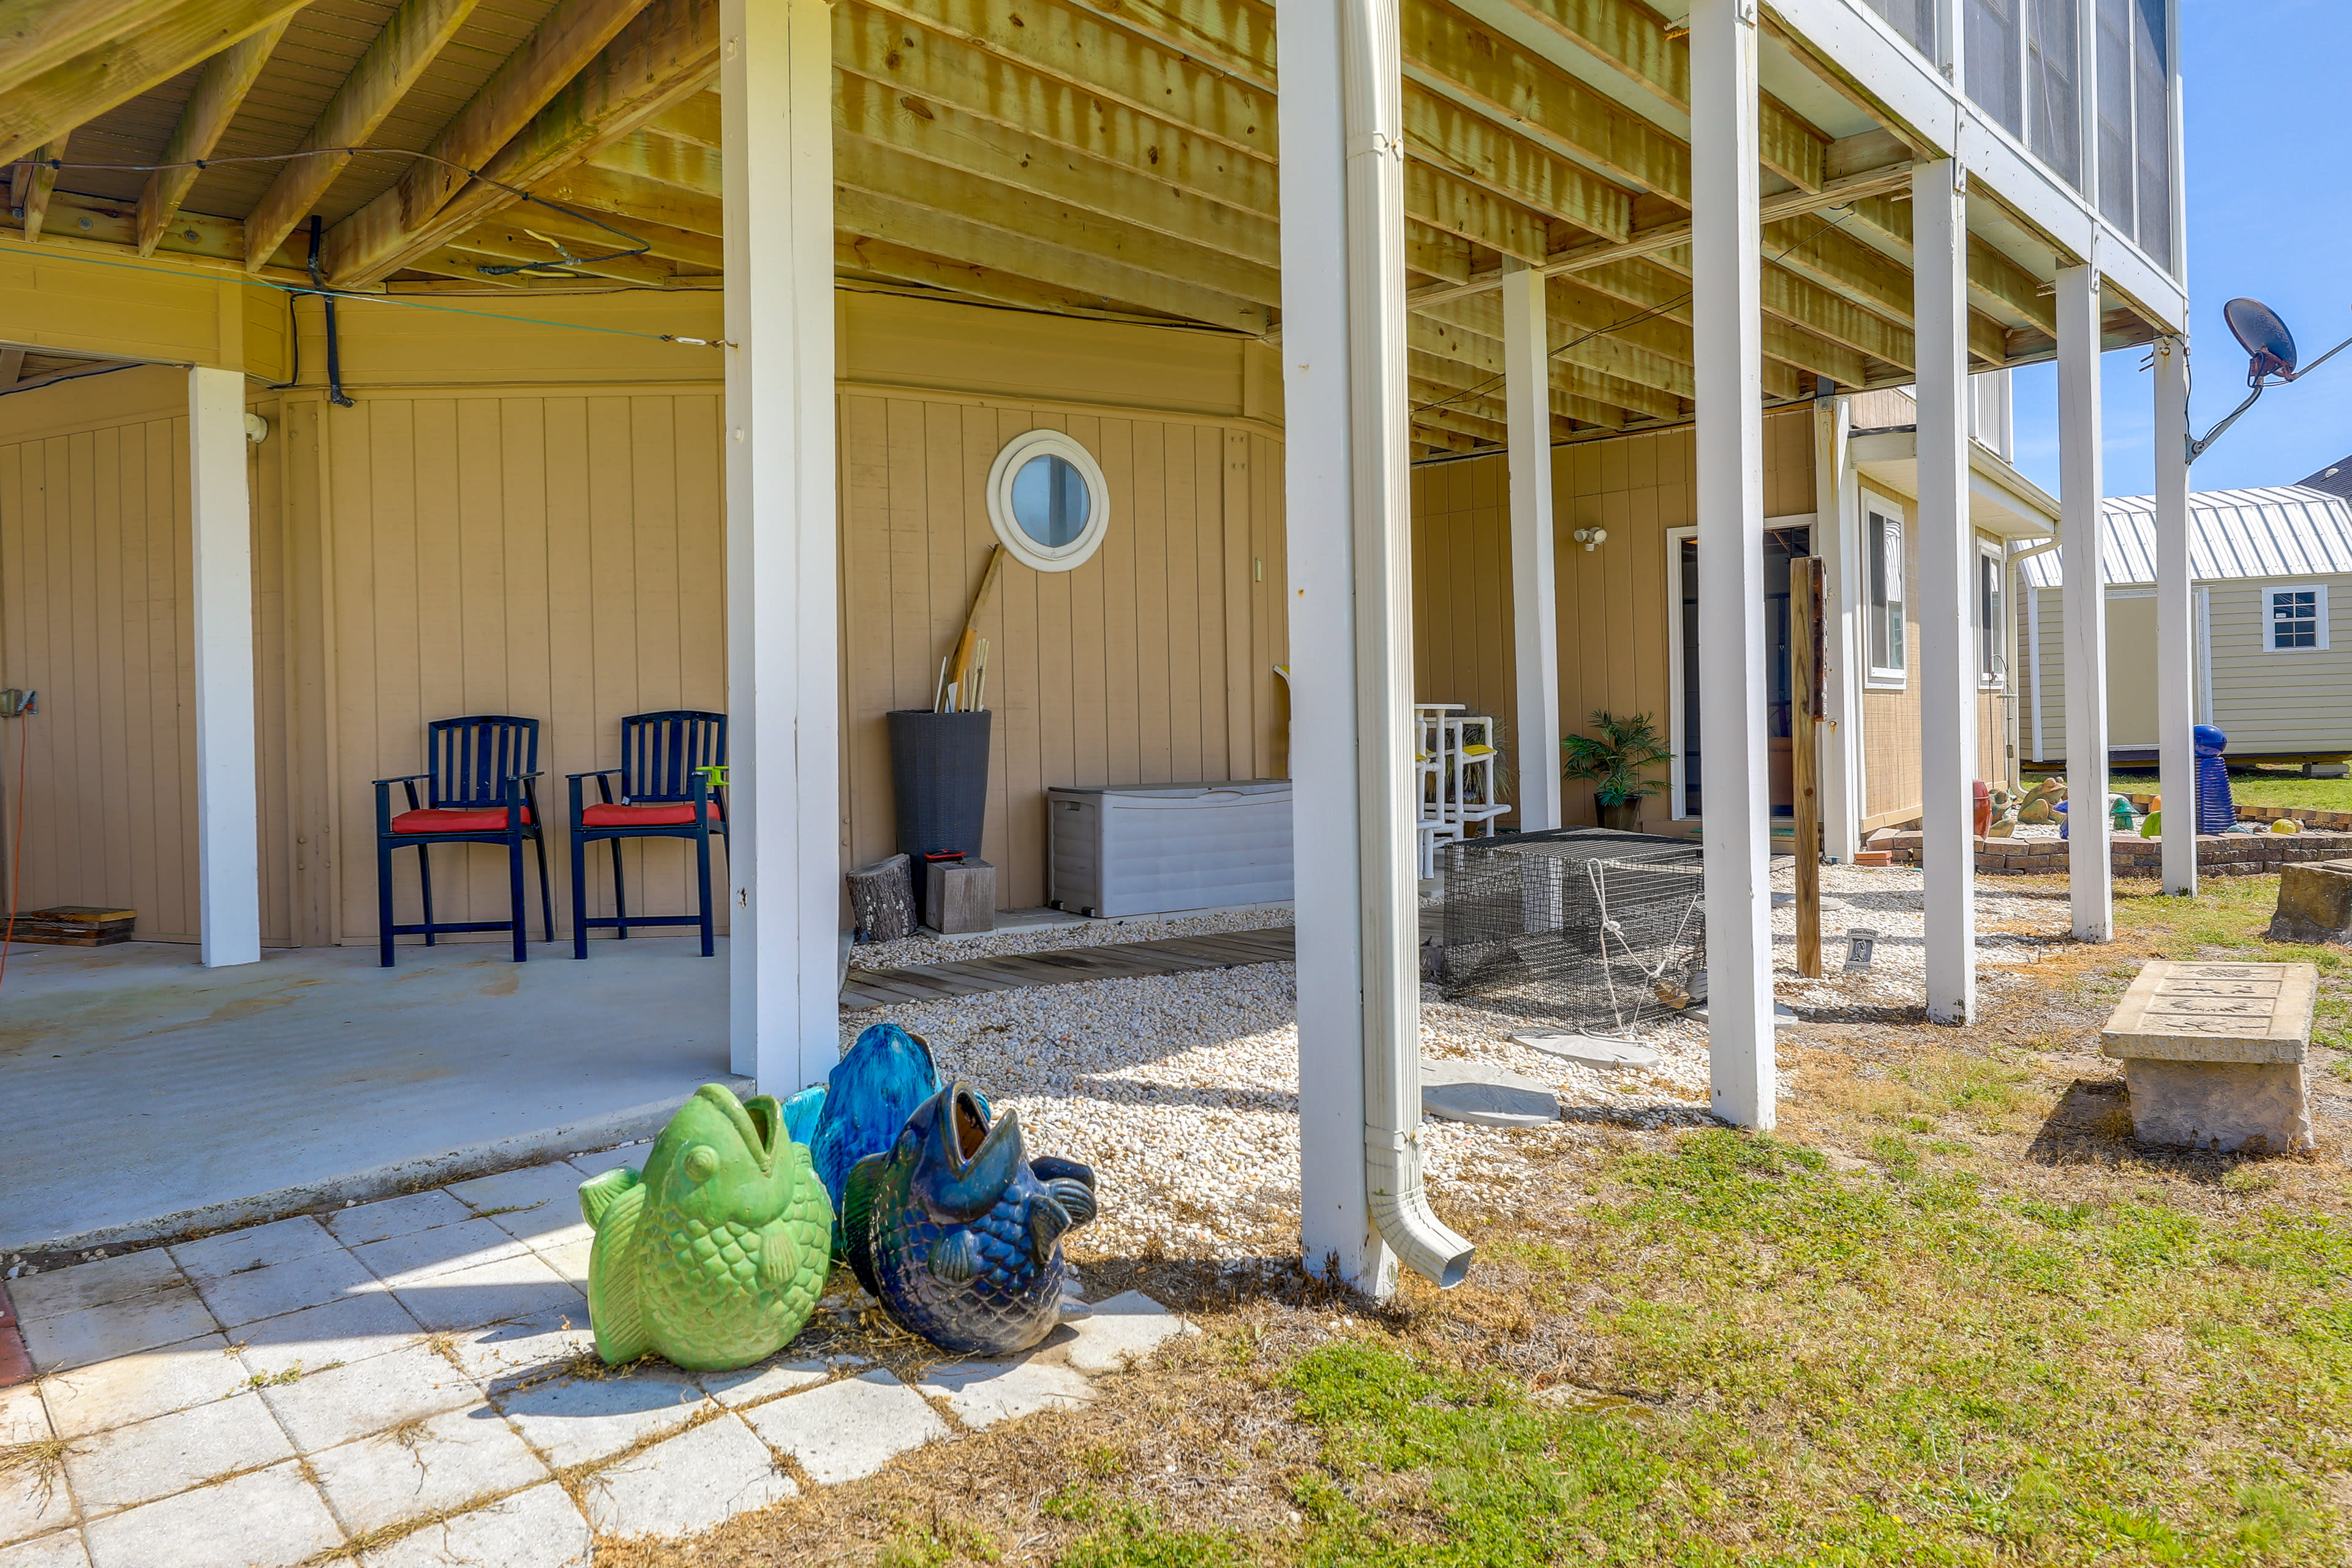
pixel 1143 849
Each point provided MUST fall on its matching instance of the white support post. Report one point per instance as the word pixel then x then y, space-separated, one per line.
pixel 1836 532
pixel 1363 1211
pixel 1947 685
pixel 783 854
pixel 1535 600
pixel 1727 330
pixel 2083 593
pixel 228 800
pixel 2176 663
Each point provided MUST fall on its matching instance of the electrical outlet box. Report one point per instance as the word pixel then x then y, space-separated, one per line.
pixel 16 703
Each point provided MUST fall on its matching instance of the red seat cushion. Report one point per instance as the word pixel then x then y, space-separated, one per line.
pixel 668 814
pixel 455 819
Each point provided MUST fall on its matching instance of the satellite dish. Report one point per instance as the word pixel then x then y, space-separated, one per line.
pixel 2270 347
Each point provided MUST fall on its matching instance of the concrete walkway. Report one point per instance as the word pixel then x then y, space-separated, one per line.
pixel 146 1097
pixel 409 1382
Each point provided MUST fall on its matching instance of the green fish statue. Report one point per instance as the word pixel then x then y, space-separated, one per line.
pixel 716 1255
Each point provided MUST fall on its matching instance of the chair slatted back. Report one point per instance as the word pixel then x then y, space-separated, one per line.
pixel 660 751
pixel 471 759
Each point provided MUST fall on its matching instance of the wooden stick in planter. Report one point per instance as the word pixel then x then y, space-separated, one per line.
pixel 959 666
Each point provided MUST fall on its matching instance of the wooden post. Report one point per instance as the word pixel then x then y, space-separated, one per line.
pixel 220 509
pixel 1805 709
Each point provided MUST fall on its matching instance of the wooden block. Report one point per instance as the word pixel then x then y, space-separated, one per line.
pixel 74 925
pixel 961 897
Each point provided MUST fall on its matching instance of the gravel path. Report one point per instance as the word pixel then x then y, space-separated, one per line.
pixel 1181 1091
pixel 924 947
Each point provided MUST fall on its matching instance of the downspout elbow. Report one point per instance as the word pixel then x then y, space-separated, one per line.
pixel 1400 1211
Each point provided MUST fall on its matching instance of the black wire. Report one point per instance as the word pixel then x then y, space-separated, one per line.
pixel 638 246
pixel 1632 321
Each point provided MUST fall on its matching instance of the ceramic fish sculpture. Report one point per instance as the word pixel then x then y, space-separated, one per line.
pixel 717 1254
pixel 865 1100
pixel 960 1233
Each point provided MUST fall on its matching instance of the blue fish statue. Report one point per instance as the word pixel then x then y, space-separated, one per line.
pixel 865 1101
pixel 960 1233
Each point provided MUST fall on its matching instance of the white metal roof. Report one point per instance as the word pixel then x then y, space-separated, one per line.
pixel 2277 531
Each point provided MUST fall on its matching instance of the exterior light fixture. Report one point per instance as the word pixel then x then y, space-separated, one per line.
pixel 1590 538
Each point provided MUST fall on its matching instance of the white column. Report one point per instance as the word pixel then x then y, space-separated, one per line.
pixel 1535 600
pixel 229 801
pixel 1836 532
pixel 1948 686
pixel 1726 330
pixel 2176 663
pixel 784 855
pixel 1362 1208
pixel 2082 593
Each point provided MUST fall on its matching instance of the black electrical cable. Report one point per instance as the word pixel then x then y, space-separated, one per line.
pixel 636 247
pixel 334 340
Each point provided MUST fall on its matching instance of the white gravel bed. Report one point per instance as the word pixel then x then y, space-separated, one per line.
pixel 1181 1091
pixel 925 948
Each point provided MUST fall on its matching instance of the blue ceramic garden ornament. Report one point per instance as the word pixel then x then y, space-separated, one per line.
pixel 865 1100
pixel 960 1233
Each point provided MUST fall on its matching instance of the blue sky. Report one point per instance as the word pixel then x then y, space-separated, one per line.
pixel 2270 155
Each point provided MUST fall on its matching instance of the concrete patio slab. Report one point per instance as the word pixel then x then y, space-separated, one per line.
pixel 315 1077
pixel 134 1387
pixel 61 1550
pixel 242 1251
pixel 847 1429
pixel 335 1334
pixel 431 1466
pixel 536 1528
pixel 22 1417
pixel 386 1217
pixel 779 1374
pixel 33 1502
pixel 510 1287
pixel 131 1465
pixel 1124 1329
pixel 575 1420
pixel 499 1355
pixel 538 1203
pixel 328 1408
pixel 983 1393
pixel 269 1519
pixel 279 1289
pixel 98 1284
pixel 686 1484
pixel 411 1259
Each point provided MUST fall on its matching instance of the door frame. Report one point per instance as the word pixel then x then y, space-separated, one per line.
pixel 1674 591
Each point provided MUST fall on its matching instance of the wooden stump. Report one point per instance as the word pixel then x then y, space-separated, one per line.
pixel 883 895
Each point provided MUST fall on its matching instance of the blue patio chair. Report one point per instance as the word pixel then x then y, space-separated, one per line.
pixel 478 790
pixel 668 791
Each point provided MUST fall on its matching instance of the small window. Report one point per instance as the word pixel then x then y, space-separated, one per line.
pixel 1047 500
pixel 1992 665
pixel 2298 618
pixel 1888 656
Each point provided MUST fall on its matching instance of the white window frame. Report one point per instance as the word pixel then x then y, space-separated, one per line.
pixel 1877 511
pixel 1995 637
pixel 1007 467
pixel 2318 592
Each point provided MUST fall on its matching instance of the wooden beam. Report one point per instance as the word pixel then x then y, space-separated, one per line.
pixel 939 71
pixel 466 265
pixel 634 198
pixel 1105 283
pixel 1235 36
pixel 1631 40
pixel 874 169
pixel 1477 352
pixel 368 243
pixel 78 91
pixel 1473 422
pixel 909 126
pixel 1440 132
pixel 1457 206
pixel 585 237
pixel 1576 393
pixel 410 41
pixel 645 156
pixel 1996 285
pixel 1447 50
pixel 38 34
pixel 694 119
pixel 1433 253
pixel 1868 277
pixel 878 258
pixel 12 365
pixel 1105 61
pixel 30 185
pixel 1581 337
pixel 219 93
pixel 515 242
pixel 108 221
pixel 1642 283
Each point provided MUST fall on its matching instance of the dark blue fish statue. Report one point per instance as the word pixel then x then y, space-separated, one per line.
pixel 960 1233
pixel 865 1100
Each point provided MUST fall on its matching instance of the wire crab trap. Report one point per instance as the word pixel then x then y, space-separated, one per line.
pixel 1583 925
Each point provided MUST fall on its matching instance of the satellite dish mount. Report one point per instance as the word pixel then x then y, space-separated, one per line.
pixel 2271 360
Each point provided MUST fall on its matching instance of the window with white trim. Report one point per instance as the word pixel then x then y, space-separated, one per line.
pixel 1889 659
pixel 1992 665
pixel 1047 500
pixel 2295 617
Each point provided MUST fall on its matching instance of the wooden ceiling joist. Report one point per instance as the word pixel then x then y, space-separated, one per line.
pixel 1440 132
pixel 1844 266
pixel 410 41
pixel 38 34
pixel 1231 36
pixel 31 184
pixel 1576 393
pixel 665 160
pixel 1996 285
pixel 1645 285
pixel 516 242
pixel 633 199
pixel 1632 355
pixel 220 92
pixel 166 42
pixel 863 256
pixel 694 118
pixel 583 237
pixel 365 245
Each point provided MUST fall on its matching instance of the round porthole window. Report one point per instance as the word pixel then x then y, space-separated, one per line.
pixel 1047 500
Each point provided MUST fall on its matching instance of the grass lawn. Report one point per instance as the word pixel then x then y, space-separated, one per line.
pixel 1947 1314
pixel 2253 787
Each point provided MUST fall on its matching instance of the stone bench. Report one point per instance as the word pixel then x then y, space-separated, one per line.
pixel 2214 1055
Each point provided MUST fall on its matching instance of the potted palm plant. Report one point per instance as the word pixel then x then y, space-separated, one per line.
pixel 1614 763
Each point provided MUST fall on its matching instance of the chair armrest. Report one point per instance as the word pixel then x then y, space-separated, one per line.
pixel 594 774
pixel 404 778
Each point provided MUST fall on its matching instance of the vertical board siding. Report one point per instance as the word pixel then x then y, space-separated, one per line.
pixel 1116 672
pixel 1891 779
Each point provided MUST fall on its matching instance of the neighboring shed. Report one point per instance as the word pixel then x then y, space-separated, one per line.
pixel 2273 568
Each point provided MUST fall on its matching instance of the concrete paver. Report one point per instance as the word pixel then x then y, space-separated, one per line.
pixel 269 1519
pixel 540 1204
pixel 983 1393
pixel 127 1466
pixel 605 1160
pixel 133 1387
pixel 778 1375
pixel 575 1420
pixel 326 1409
pixel 444 1463
pixel 502 1354
pixel 686 1484
pixel 36 1296
pixel 33 1501
pixel 847 1429
pixel 276 1288
pixel 1128 1326
pixel 116 1328
pixel 420 1255
pixel 536 1528
pixel 61 1550
pixel 238 1251
pixel 570 1260
pixel 509 1288
pixel 364 1223
pixel 350 1328
pixel 22 1417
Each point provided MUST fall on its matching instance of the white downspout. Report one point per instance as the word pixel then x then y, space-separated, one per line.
pixel 1372 117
